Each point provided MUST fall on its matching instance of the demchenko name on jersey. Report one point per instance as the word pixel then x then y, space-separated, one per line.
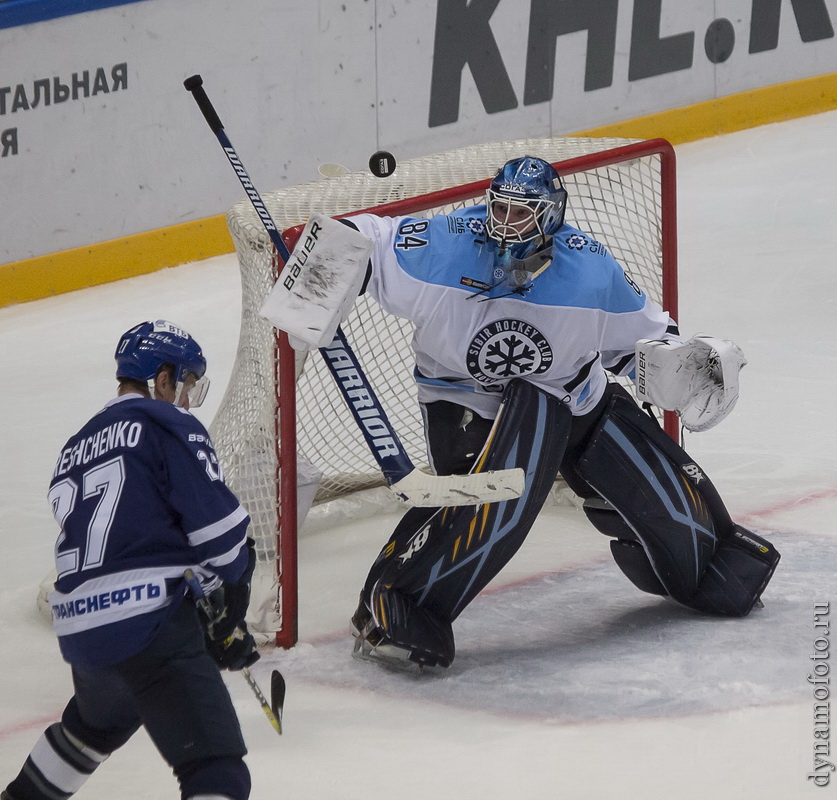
pixel 119 434
pixel 366 410
pixel 251 190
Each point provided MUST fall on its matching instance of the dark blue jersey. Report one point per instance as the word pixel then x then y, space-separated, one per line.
pixel 140 496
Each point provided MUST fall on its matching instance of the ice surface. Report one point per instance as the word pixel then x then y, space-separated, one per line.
pixel 568 682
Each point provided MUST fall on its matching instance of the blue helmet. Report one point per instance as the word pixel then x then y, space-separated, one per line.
pixel 525 201
pixel 147 347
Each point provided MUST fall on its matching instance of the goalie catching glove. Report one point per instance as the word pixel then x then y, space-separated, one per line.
pixel 698 379
pixel 318 287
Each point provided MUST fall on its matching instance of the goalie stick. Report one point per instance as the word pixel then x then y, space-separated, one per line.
pixel 403 478
pixel 277 682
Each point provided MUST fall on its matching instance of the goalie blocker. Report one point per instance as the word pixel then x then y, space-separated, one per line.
pixel 674 536
pixel 319 284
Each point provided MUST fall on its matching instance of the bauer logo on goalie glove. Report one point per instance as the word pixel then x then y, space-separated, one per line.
pixel 301 255
pixel 698 379
pixel 317 288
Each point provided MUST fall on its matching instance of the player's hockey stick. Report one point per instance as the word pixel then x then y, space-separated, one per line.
pixel 277 696
pixel 275 719
pixel 403 478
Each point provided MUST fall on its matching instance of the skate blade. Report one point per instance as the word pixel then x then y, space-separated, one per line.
pixel 388 656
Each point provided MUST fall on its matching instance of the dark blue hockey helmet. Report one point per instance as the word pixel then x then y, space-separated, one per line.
pixel 525 201
pixel 146 348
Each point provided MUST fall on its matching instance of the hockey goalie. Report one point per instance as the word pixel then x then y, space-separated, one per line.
pixel 520 320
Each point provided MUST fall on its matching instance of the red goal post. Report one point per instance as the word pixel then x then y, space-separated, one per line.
pixel 280 407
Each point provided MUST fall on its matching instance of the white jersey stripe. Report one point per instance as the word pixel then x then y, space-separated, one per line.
pixel 216 529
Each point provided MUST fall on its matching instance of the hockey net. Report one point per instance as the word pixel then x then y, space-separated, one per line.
pixel 621 192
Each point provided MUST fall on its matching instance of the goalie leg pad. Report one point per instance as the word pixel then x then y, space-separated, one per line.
pixel 737 575
pixel 658 491
pixel 631 559
pixel 627 550
pixel 701 558
pixel 425 638
pixel 475 542
pixel 417 528
pixel 605 519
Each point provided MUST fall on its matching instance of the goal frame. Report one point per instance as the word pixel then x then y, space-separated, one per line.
pixel 286 373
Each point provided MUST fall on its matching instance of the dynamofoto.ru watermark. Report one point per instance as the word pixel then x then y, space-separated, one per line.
pixel 821 681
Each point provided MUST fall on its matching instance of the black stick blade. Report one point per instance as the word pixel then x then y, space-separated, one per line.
pixel 277 695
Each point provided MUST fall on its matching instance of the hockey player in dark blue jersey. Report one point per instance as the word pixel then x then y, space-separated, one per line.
pixel 140 498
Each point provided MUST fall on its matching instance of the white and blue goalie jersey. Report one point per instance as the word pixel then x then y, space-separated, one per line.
pixel 140 496
pixel 581 317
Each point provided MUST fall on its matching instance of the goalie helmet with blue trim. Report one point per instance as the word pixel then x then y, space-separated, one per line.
pixel 147 348
pixel 525 205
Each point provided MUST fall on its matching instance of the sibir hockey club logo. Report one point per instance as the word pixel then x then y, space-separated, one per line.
pixel 476 226
pixel 576 242
pixel 506 349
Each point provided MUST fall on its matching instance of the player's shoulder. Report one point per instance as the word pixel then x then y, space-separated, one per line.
pixel 425 248
pixel 449 237
pixel 170 416
pixel 577 244
pixel 167 416
pixel 411 234
pixel 465 223
pixel 588 275
pixel 130 424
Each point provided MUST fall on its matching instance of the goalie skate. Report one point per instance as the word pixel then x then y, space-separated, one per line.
pixel 371 645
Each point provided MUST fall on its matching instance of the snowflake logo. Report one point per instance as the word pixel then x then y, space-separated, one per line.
pixel 507 349
pixel 576 242
pixel 509 356
pixel 476 226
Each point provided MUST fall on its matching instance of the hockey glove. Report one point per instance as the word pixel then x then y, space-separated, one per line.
pixel 229 602
pixel 235 652
pixel 698 379
pixel 318 286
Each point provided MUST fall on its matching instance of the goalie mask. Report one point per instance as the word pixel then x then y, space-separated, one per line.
pixel 525 205
pixel 150 346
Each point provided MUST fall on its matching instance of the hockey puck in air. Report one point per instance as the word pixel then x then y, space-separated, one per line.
pixel 382 164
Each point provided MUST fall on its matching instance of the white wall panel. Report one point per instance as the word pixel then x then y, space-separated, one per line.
pixel 301 82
